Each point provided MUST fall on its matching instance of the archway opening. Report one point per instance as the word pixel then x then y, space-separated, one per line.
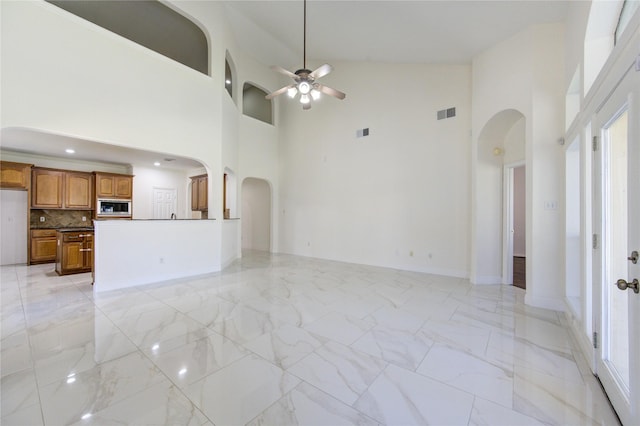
pixel 256 214
pixel 500 149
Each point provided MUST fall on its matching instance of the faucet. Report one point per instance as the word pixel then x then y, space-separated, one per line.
pixel 173 216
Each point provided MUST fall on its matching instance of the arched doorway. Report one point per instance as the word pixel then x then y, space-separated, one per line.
pixel 256 214
pixel 500 150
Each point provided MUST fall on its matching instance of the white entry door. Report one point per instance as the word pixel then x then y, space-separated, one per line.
pixel 165 202
pixel 617 221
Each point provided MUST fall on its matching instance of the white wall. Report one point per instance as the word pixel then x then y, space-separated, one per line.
pixel 64 75
pixel 137 252
pixel 526 73
pixel 146 179
pixel 398 197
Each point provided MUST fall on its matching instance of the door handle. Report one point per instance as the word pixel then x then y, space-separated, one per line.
pixel 634 257
pixel 634 285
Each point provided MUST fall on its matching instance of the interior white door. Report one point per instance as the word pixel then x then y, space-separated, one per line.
pixel 617 217
pixel 165 202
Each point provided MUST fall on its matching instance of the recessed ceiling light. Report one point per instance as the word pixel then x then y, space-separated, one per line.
pixel 70 151
pixel 157 164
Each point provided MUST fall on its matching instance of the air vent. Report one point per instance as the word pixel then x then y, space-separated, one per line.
pixel 362 132
pixel 446 113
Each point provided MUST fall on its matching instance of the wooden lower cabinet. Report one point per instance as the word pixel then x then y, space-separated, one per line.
pixel 75 252
pixel 43 246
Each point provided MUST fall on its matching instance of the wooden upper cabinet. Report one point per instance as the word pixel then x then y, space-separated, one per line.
pixel 114 186
pixel 14 175
pixel 58 189
pixel 203 196
pixel 199 194
pixel 46 185
pixel 124 186
pixel 78 190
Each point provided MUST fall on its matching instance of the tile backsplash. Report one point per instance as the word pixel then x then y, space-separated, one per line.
pixel 61 218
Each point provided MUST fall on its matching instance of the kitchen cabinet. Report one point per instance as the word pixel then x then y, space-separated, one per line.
pixel 46 188
pixel 14 175
pixel 78 190
pixel 110 185
pixel 74 252
pixel 43 246
pixel 199 194
pixel 61 189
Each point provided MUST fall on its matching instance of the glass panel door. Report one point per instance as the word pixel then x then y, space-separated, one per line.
pixel 616 216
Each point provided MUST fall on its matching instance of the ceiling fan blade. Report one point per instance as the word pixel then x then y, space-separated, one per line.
pixel 283 71
pixel 331 92
pixel 279 91
pixel 306 106
pixel 321 71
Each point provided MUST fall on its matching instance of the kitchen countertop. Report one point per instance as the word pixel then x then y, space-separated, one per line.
pixel 74 229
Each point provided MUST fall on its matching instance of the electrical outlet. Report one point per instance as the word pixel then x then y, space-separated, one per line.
pixel 41 218
pixel 84 218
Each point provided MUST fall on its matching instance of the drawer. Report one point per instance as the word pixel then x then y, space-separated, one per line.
pixel 77 236
pixel 39 233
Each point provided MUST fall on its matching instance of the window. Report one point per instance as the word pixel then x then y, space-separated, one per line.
pixel 629 7
pixel 255 105
pixel 228 78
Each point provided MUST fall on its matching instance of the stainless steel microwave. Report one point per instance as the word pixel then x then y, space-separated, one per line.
pixel 113 208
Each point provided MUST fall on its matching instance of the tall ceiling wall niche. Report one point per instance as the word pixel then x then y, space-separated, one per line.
pixel 229 74
pixel 255 105
pixel 150 24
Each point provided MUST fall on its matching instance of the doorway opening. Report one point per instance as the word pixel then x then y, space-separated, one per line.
pixel 500 150
pixel 256 214
pixel 517 243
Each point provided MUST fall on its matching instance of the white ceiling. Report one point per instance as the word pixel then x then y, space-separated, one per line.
pixel 271 31
pixel 51 145
pixel 418 31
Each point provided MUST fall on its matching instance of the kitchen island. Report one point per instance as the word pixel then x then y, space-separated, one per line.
pixel 135 252
pixel 74 253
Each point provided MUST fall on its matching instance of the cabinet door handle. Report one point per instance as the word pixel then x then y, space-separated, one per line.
pixel 85 250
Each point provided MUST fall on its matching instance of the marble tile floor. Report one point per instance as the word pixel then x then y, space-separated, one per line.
pixel 286 340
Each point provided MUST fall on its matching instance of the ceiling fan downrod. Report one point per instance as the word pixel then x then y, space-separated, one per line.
pixel 305 81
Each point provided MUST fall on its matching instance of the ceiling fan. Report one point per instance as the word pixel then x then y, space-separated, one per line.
pixel 305 80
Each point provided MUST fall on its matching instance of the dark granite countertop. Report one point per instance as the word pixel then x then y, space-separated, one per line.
pixel 74 229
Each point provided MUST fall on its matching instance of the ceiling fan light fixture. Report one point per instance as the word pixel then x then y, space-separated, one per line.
pixel 305 79
pixel 304 87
